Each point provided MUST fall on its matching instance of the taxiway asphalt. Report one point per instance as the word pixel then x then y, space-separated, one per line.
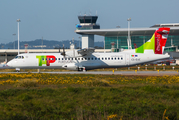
pixel 149 73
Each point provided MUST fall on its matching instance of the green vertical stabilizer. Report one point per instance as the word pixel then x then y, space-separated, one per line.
pixel 149 45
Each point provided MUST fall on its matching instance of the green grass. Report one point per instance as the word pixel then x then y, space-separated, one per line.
pixel 129 97
pixel 69 102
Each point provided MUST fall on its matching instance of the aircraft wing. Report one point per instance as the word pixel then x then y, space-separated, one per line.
pixel 85 51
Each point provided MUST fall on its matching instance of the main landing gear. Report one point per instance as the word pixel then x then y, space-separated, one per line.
pixel 82 69
pixel 17 69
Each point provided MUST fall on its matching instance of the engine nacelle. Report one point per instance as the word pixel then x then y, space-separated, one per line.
pixel 70 66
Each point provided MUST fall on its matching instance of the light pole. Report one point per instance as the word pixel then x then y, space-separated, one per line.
pixel 14 39
pixel 79 42
pixel 104 42
pixel 18 20
pixel 129 39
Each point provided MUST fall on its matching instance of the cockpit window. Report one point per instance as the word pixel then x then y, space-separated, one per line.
pixel 19 57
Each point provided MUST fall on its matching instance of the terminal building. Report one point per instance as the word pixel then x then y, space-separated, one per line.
pixel 118 36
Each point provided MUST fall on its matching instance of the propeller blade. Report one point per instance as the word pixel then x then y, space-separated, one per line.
pixel 63 53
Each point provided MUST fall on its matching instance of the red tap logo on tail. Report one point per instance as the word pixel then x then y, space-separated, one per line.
pixel 160 39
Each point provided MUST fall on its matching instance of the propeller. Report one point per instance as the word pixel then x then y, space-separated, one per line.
pixel 63 53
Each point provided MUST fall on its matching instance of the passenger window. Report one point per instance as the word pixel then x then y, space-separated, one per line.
pixel 55 58
pixel 111 58
pixel 105 58
pixel 118 58
pixel 22 57
pixel 91 58
pixel 62 58
pixel 78 58
pixel 98 58
pixel 88 58
pixel 58 58
pixel 68 58
pixel 75 58
pixel 95 58
pixel 85 58
pixel 65 58
pixel 108 58
pixel 121 58
pixel 81 58
pixel 43 59
pixel 71 58
pixel 115 58
pixel 102 58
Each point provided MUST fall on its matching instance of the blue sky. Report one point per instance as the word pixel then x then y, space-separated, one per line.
pixel 56 19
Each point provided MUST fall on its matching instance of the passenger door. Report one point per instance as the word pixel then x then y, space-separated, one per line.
pixel 127 59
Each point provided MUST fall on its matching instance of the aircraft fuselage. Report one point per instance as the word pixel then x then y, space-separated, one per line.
pixel 93 61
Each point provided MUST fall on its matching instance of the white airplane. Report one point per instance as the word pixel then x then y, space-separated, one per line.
pixel 86 59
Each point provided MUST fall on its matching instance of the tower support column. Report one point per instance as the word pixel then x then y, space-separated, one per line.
pixel 87 41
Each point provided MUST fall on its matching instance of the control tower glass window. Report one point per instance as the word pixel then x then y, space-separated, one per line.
pixel 87 19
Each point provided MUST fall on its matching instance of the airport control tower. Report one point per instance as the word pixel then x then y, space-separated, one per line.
pixel 87 23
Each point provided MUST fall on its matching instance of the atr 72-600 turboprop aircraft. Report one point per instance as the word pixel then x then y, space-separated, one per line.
pixel 86 59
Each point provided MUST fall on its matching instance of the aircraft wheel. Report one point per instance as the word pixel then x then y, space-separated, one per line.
pixel 80 69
